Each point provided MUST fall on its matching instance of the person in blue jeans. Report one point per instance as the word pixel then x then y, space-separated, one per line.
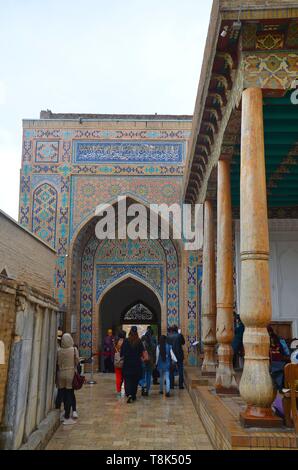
pixel 164 355
pixel 145 381
pixel 147 365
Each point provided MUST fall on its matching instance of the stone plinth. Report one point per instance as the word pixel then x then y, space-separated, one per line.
pixel 31 363
pixel 220 417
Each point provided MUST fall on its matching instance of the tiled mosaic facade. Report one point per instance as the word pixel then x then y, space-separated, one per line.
pixel 127 152
pixel 44 213
pixel 153 262
pixel 47 152
pixel 94 190
pixel 66 172
pixel 108 274
pixel 194 279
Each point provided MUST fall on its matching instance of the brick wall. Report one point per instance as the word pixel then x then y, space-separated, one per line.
pixel 7 322
pixel 25 257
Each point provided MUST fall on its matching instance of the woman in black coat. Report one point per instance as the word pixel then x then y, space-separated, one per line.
pixel 132 351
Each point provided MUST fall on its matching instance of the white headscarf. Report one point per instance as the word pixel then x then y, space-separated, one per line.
pixel 67 341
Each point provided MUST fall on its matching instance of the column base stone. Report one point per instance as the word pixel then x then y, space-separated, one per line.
pixel 206 373
pixel 257 417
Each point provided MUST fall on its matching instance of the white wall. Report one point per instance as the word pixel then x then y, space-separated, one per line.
pixel 283 234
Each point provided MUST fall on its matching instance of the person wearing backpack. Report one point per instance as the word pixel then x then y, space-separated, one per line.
pixel 148 364
pixel 118 363
pixel 176 340
pixel 164 356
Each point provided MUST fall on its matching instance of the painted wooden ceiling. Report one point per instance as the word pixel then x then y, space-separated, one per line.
pixel 281 154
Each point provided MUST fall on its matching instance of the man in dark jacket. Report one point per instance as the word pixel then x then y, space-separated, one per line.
pixel 176 340
pixel 237 343
pixel 109 351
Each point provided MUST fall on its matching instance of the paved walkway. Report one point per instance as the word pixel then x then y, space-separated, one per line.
pixel 153 423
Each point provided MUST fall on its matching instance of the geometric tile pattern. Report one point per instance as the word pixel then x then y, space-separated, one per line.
pixel 98 254
pixel 52 180
pixel 44 213
pixel 86 298
pixel 89 191
pixel 192 306
pixel 60 188
pixel 109 169
pixel 161 251
pixel 172 283
pixel 106 134
pixel 128 170
pixel 27 151
pixel 47 152
pixel 107 274
pixel 199 310
pixel 120 251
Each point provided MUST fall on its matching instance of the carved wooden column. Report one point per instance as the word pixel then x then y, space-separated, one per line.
pixel 208 293
pixel 225 379
pixel 255 309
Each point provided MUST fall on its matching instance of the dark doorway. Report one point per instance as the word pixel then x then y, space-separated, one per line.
pixel 120 300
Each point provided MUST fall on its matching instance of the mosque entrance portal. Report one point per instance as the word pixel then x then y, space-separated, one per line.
pixel 129 302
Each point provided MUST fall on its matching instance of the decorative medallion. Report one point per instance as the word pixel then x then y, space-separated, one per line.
pixel 47 152
pixel 269 41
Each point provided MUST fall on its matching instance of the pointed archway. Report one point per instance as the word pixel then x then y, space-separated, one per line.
pixel 120 298
pixel 94 265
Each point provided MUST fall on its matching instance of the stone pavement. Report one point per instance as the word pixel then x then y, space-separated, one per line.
pixel 151 423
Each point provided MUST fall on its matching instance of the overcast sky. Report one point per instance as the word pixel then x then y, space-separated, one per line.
pixel 94 56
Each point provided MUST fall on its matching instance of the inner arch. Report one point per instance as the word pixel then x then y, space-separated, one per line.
pixel 122 297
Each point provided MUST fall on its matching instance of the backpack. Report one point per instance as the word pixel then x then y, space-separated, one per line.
pixel 149 351
pixel 118 360
pixel 145 356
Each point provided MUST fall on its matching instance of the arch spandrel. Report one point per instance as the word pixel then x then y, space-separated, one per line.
pixel 119 251
pixel 142 269
pixel 156 262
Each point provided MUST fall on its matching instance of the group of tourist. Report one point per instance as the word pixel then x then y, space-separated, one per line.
pixel 138 360
pixel 279 353
pixel 135 362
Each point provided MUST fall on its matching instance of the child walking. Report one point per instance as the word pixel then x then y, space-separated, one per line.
pixel 118 363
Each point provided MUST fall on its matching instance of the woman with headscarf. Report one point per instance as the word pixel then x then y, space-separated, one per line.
pixel 132 351
pixel 67 362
